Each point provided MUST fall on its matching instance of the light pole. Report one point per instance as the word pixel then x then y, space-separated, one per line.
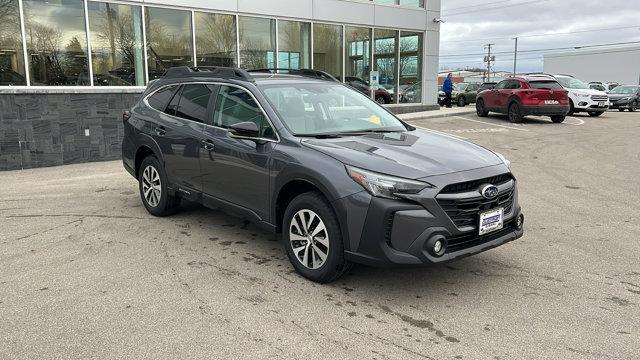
pixel 515 57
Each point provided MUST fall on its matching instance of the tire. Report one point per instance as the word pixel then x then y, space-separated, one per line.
pixel 480 109
pixel 514 113
pixel 558 118
pixel 633 107
pixel 572 109
pixel 157 201
pixel 595 113
pixel 462 102
pixel 621 109
pixel 381 100
pixel 307 258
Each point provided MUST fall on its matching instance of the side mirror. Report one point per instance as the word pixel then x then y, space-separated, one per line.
pixel 245 129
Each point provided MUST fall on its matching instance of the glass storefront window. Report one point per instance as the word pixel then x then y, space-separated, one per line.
pixel 385 61
pixel 216 39
pixel 389 2
pixel 294 45
pixel 11 55
pixel 358 57
pixel 116 44
pixel 257 42
pixel 327 49
pixel 415 3
pixel 410 67
pixel 56 42
pixel 169 41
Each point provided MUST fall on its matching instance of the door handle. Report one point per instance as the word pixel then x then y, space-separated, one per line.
pixel 208 145
pixel 160 131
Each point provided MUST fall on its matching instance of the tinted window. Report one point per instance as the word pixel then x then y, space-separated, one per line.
pixel 160 99
pixel 234 105
pixel 172 108
pixel 513 84
pixel 193 102
pixel 548 85
pixel 502 85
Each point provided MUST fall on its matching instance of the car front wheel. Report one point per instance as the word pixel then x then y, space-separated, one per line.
pixel 381 100
pixel 558 118
pixel 515 116
pixel 312 238
pixel 461 101
pixel 633 107
pixel 153 188
pixel 480 109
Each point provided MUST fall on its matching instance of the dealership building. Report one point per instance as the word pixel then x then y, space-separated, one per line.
pixel 69 68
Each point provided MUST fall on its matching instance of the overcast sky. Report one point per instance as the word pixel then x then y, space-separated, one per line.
pixel 468 27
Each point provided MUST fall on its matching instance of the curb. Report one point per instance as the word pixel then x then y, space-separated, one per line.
pixel 433 115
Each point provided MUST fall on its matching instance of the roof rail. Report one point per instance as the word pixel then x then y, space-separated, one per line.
pixel 311 73
pixel 208 71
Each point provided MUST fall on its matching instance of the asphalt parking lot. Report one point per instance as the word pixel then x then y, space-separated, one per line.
pixel 85 272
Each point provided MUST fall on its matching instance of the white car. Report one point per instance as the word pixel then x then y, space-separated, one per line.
pixel 582 98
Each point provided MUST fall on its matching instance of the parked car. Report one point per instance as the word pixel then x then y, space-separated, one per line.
pixel 465 93
pixel 582 98
pixel 486 86
pixel 381 95
pixel 625 97
pixel 410 93
pixel 338 176
pixel 606 87
pixel 441 95
pixel 525 95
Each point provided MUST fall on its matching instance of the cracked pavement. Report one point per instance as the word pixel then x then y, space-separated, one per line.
pixel 86 273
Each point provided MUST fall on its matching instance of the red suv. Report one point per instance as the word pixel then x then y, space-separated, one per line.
pixel 525 95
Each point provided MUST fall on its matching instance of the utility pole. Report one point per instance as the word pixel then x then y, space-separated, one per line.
pixel 488 59
pixel 515 57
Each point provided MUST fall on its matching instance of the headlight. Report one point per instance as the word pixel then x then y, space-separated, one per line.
pixel 504 160
pixel 626 99
pixel 385 186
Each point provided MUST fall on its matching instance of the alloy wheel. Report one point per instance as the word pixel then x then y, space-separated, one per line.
pixel 309 239
pixel 151 186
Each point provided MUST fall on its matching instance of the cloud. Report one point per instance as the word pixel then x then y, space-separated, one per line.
pixel 472 23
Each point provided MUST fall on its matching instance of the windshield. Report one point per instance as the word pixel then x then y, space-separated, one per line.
pixel 571 83
pixel 461 87
pixel 309 109
pixel 625 90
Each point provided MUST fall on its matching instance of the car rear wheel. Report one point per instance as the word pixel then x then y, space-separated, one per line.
pixel 558 118
pixel 572 109
pixel 153 188
pixel 595 113
pixel 480 109
pixel 313 240
pixel 633 107
pixel 515 116
pixel 461 101
pixel 381 100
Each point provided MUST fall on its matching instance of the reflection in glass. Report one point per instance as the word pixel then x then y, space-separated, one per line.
pixel 384 59
pixel 294 39
pixel 415 3
pixel 327 49
pixel 215 39
pixel 169 41
pixel 358 57
pixel 257 42
pixel 56 42
pixel 116 44
pixel 390 2
pixel 410 67
pixel 11 56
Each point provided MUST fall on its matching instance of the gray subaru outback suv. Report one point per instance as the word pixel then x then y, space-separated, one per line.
pixel 338 176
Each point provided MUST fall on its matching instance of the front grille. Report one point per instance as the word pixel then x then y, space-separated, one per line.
pixel 474 184
pixel 599 97
pixel 470 240
pixel 466 212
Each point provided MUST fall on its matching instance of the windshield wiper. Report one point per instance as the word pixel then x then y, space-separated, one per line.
pixel 322 135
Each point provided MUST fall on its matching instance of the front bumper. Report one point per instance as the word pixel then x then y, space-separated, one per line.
pixel 619 104
pixel 385 232
pixel 546 110
pixel 591 105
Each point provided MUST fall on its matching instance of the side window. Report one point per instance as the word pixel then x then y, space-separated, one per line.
pixel 172 107
pixel 194 99
pixel 501 85
pixel 161 97
pixel 235 105
pixel 513 84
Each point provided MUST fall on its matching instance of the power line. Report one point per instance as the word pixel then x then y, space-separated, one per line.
pixel 493 8
pixel 548 49
pixel 552 34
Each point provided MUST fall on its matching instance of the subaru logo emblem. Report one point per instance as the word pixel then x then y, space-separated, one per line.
pixel 489 192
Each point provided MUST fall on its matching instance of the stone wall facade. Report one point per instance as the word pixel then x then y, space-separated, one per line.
pixel 47 129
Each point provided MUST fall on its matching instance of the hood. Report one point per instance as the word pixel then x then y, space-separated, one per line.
pixel 620 96
pixel 588 91
pixel 412 155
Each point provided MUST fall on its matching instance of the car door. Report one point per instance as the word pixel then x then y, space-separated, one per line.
pixel 505 93
pixel 492 97
pixel 236 171
pixel 472 93
pixel 177 138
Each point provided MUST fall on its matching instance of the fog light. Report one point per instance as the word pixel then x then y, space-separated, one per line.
pixel 520 222
pixel 437 245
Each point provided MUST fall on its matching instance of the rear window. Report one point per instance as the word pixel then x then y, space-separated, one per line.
pixel 546 85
